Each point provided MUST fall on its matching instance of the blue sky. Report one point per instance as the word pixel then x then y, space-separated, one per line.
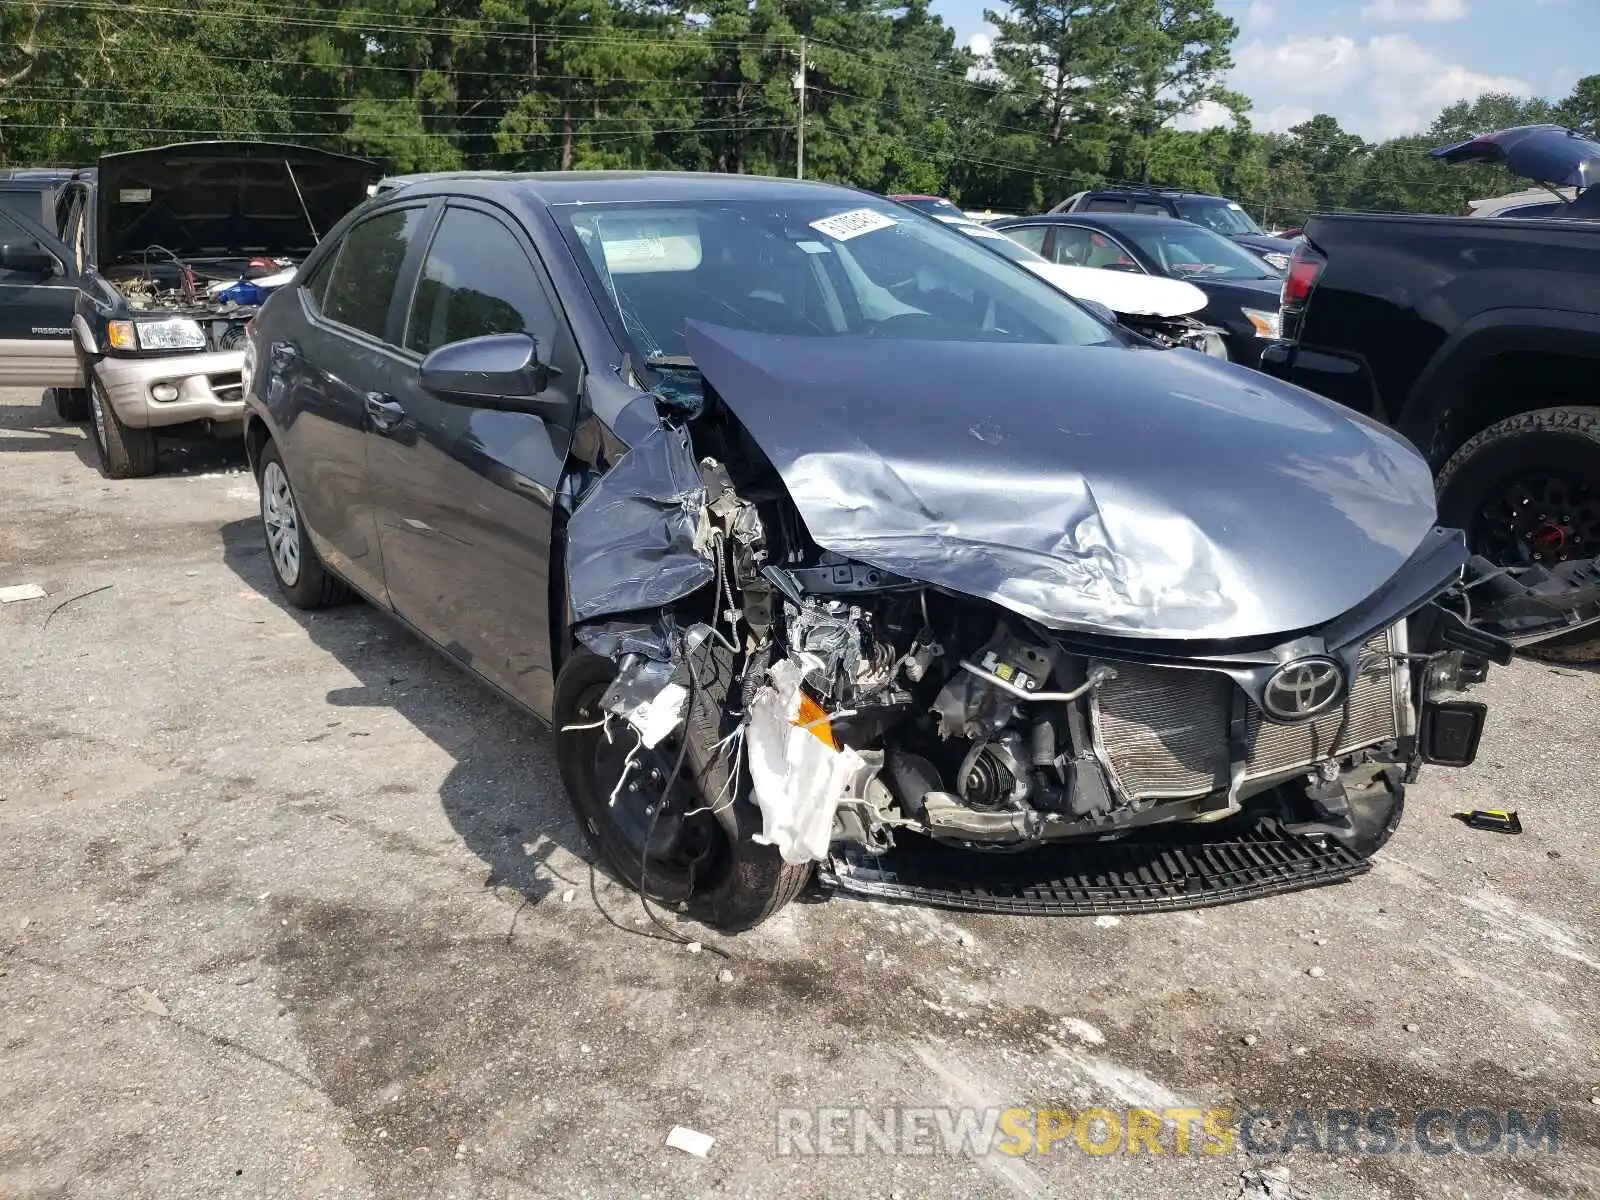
pixel 1383 67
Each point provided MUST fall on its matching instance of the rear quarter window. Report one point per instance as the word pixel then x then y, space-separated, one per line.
pixel 362 281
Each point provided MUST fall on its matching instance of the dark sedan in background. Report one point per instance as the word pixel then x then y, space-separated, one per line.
pixel 1242 288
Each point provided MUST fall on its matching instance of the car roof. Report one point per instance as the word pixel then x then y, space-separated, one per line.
pixel 1134 189
pixel 1110 220
pixel 603 187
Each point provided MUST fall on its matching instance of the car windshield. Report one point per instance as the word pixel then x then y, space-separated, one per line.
pixel 1223 216
pixel 1190 252
pixel 833 266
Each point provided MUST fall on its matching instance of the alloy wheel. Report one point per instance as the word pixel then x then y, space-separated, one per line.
pixel 1541 519
pixel 281 520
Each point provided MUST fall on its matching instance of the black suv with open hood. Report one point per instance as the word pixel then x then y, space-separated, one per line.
pixel 133 305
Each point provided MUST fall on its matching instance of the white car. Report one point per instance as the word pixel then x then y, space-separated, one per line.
pixel 1160 309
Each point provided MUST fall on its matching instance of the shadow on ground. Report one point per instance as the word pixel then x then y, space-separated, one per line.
pixel 503 795
pixel 38 428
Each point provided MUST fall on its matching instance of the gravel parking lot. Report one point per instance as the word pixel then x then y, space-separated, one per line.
pixel 289 907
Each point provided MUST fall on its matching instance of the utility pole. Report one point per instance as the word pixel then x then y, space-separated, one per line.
pixel 800 124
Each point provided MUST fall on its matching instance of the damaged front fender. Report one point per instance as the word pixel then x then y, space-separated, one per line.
pixel 631 539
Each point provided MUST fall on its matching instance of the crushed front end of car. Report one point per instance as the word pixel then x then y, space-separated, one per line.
pixel 904 612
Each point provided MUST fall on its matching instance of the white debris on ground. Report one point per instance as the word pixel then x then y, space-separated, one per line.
pixel 690 1141
pixel 21 591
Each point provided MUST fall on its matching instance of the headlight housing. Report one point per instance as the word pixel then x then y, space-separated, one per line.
pixel 1267 323
pixel 166 333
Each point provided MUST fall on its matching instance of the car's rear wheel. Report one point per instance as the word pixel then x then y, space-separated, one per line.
pixel 71 404
pixel 1527 492
pixel 651 819
pixel 124 452
pixel 302 578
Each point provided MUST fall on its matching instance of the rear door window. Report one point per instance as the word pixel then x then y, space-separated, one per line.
pixel 476 280
pixel 362 281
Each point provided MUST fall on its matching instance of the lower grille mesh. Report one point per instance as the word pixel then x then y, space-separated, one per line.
pixel 1164 731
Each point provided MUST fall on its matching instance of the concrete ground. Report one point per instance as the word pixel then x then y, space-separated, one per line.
pixel 289 907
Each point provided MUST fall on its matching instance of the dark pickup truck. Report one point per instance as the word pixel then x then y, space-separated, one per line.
pixel 1480 341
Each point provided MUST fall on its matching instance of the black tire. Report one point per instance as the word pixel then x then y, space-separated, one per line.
pixel 71 404
pixel 301 576
pixel 1375 812
pixel 1561 439
pixel 124 452
pixel 732 884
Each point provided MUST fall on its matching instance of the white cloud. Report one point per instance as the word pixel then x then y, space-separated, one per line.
pixel 1415 10
pixel 1208 114
pixel 1260 12
pixel 1305 65
pixel 1279 119
pixel 981 44
pixel 1401 84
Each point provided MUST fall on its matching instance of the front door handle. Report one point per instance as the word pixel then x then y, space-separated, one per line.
pixel 384 410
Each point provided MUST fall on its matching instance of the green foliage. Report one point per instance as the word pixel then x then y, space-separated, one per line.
pixel 1076 93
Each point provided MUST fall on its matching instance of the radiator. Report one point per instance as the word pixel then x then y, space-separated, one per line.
pixel 1163 732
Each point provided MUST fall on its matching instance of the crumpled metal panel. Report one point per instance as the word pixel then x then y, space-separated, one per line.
pixel 630 541
pixel 1113 491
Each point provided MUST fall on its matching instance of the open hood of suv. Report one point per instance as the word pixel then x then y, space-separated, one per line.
pixel 1142 493
pixel 225 199
pixel 1550 154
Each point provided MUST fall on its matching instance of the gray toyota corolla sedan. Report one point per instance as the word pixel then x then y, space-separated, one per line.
pixel 835 547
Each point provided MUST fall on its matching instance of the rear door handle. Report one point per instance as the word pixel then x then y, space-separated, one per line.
pixel 384 410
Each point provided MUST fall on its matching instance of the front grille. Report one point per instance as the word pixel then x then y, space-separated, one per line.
pixel 1164 731
pixel 1369 717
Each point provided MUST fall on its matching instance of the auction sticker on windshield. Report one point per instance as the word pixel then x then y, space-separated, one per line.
pixel 841 227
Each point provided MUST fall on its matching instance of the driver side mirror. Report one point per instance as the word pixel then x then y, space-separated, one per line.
pixel 498 370
pixel 29 258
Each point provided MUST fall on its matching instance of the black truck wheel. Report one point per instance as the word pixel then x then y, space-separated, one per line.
pixel 659 834
pixel 125 453
pixel 71 404
pixel 1527 492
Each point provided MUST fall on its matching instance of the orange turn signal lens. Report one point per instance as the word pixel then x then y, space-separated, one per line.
pixel 814 721
pixel 121 336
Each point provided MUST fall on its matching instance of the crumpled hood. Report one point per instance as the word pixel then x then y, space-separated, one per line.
pixel 225 199
pixel 1100 489
pixel 1121 291
pixel 1550 154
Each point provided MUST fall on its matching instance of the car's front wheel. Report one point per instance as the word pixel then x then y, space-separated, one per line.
pixel 649 813
pixel 301 576
pixel 124 452
pixel 1527 492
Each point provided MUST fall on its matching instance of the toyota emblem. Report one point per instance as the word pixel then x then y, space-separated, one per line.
pixel 1303 688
